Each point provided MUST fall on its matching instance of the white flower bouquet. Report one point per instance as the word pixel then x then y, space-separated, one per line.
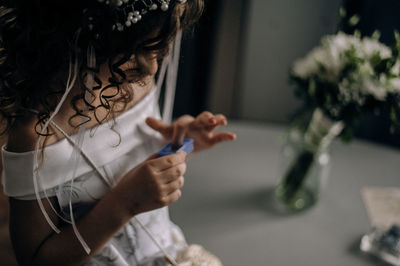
pixel 348 76
pixel 339 81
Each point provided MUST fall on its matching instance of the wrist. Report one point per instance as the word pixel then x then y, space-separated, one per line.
pixel 120 205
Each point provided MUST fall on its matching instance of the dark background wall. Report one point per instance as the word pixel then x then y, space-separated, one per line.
pixel 195 64
pixel 382 15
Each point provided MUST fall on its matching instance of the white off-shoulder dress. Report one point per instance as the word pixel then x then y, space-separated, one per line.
pixel 115 154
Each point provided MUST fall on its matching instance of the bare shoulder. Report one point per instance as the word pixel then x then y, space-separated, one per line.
pixel 3 139
pixel 22 136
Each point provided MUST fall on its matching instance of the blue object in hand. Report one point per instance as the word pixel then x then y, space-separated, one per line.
pixel 187 147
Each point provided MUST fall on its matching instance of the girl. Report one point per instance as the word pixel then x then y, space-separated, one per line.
pixel 80 107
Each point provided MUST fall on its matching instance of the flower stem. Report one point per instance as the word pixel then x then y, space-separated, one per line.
pixel 296 175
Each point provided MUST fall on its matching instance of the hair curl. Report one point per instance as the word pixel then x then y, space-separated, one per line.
pixel 37 40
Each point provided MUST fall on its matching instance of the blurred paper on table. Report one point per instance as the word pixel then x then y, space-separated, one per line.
pixel 383 205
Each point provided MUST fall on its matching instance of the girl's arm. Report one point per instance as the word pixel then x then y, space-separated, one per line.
pixel 35 243
pixel 153 184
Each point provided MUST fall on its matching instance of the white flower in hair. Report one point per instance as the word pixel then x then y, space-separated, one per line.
pixel 133 10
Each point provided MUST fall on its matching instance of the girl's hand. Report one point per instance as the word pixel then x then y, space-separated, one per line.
pixel 200 129
pixel 153 184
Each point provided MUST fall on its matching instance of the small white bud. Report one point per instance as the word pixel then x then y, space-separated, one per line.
pixel 164 6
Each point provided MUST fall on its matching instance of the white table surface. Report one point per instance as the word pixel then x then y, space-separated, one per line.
pixel 226 202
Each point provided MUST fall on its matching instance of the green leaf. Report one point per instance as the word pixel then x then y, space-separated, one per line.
pixel 354 20
pixel 342 12
pixel 347 134
pixel 397 39
pixel 376 35
pixel 357 34
pixel 312 87
pixel 393 114
pixel 392 129
pixel 328 100
pixel 397 36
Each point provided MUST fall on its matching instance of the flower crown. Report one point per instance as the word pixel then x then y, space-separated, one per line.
pixel 130 12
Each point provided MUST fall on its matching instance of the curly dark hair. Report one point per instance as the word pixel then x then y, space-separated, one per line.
pixel 37 39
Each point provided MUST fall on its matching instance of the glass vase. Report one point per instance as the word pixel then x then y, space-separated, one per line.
pixel 306 163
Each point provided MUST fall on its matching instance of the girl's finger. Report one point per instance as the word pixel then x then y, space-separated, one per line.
pixel 222 136
pixel 158 125
pixel 163 163
pixel 171 198
pixel 180 127
pixel 221 120
pixel 173 173
pixel 207 119
pixel 174 185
